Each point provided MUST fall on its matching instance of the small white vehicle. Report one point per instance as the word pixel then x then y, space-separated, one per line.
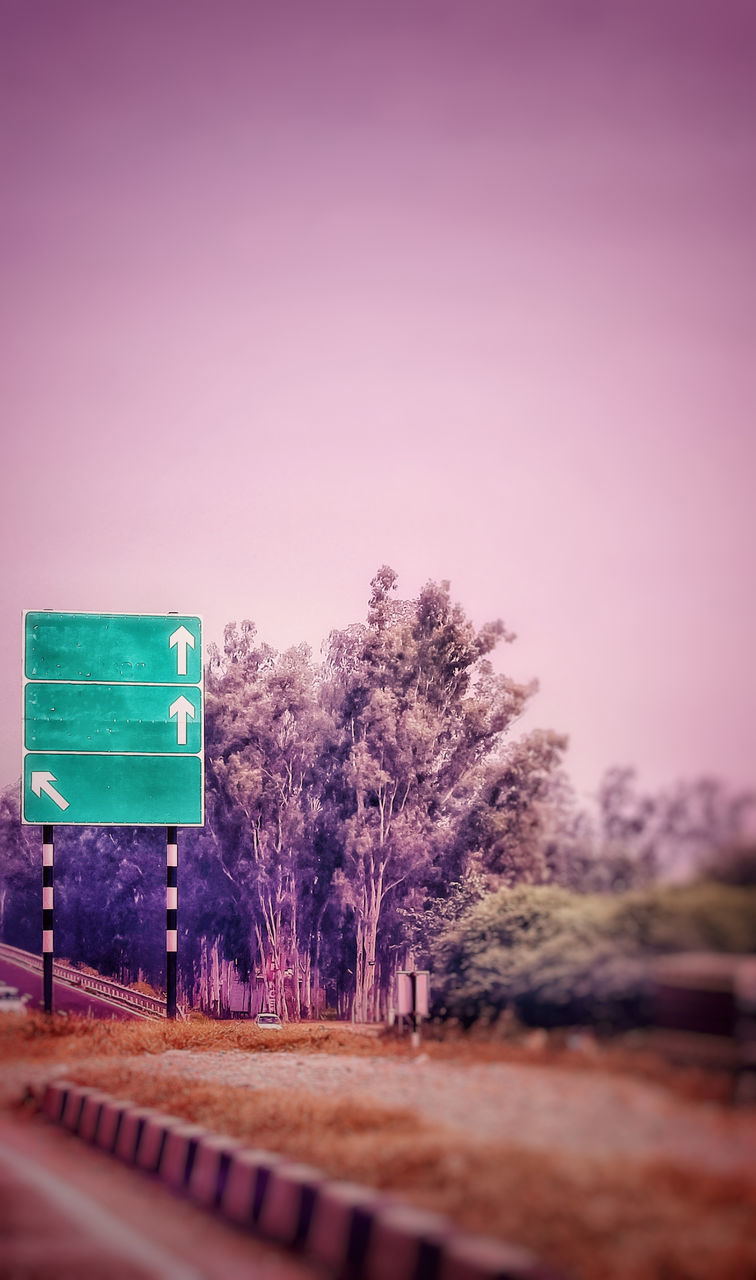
pixel 11 1001
pixel 270 1021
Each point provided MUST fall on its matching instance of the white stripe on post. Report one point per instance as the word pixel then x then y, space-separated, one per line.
pixel 171 939
pixel 47 899
pixel 171 851
pixel 171 899
pixel 47 855
pixel 47 939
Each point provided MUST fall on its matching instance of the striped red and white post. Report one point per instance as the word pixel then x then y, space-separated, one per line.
pixel 48 849
pixel 171 920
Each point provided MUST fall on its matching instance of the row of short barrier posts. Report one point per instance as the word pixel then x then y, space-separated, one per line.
pixel 413 1000
pixel 347 1231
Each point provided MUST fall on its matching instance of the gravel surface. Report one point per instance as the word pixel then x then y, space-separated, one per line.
pixel 538 1107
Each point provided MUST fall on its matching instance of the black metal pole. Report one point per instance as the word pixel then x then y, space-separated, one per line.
pixel 171 919
pixel 48 854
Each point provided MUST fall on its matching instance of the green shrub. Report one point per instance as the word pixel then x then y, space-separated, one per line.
pixel 562 958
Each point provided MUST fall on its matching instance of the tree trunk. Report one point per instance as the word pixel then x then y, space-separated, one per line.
pixel 216 994
pixel 307 984
pixel 295 962
pixel 367 933
pixel 316 961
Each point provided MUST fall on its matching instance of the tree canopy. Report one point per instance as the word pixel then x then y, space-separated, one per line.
pixel 357 808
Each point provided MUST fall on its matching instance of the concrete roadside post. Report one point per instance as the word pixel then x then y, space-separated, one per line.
pixel 413 999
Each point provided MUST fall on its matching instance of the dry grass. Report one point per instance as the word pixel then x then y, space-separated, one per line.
pixel 38 1038
pixel 594 1220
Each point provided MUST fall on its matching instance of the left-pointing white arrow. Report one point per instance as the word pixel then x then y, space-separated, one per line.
pixel 181 708
pixel 41 781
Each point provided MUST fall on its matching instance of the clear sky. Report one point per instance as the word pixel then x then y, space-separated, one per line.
pixel 293 290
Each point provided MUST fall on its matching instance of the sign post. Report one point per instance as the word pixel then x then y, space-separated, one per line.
pixel 48 853
pixel 113 719
pixel 171 920
pixel 113 735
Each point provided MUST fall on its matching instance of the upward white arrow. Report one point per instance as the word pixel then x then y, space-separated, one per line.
pixel 181 708
pixel 181 639
pixel 41 781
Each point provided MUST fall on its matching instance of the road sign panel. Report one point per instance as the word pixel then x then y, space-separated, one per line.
pixel 113 719
pixel 110 647
pixel 109 790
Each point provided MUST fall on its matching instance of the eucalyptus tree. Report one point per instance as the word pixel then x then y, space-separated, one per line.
pixel 510 824
pixel 20 875
pixel 417 709
pixel 265 730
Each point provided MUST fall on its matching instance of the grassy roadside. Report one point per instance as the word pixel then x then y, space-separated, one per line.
pixel 37 1038
pixel 597 1220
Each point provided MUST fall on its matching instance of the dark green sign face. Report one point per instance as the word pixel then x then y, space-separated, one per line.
pixel 99 790
pixel 113 719
pixel 142 648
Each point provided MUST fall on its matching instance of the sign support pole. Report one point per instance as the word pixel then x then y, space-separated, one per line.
pixel 48 850
pixel 171 919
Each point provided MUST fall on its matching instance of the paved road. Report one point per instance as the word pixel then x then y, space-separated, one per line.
pixel 65 999
pixel 70 1212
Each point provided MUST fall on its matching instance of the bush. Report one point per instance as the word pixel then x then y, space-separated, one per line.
pixel 559 958
pixel 736 865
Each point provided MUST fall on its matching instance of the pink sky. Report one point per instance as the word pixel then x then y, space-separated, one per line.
pixel 291 291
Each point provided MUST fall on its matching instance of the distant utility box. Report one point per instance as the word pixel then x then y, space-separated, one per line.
pixel 113 714
pixel 413 993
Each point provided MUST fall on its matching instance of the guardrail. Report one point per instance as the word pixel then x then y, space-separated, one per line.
pixel 152 1006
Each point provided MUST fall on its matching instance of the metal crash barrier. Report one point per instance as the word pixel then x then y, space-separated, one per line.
pixel 152 1006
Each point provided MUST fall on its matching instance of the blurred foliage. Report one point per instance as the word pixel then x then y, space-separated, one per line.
pixel 733 865
pixel 557 957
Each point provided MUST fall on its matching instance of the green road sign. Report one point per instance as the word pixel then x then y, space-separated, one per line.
pixel 114 789
pixel 113 719
pixel 110 647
